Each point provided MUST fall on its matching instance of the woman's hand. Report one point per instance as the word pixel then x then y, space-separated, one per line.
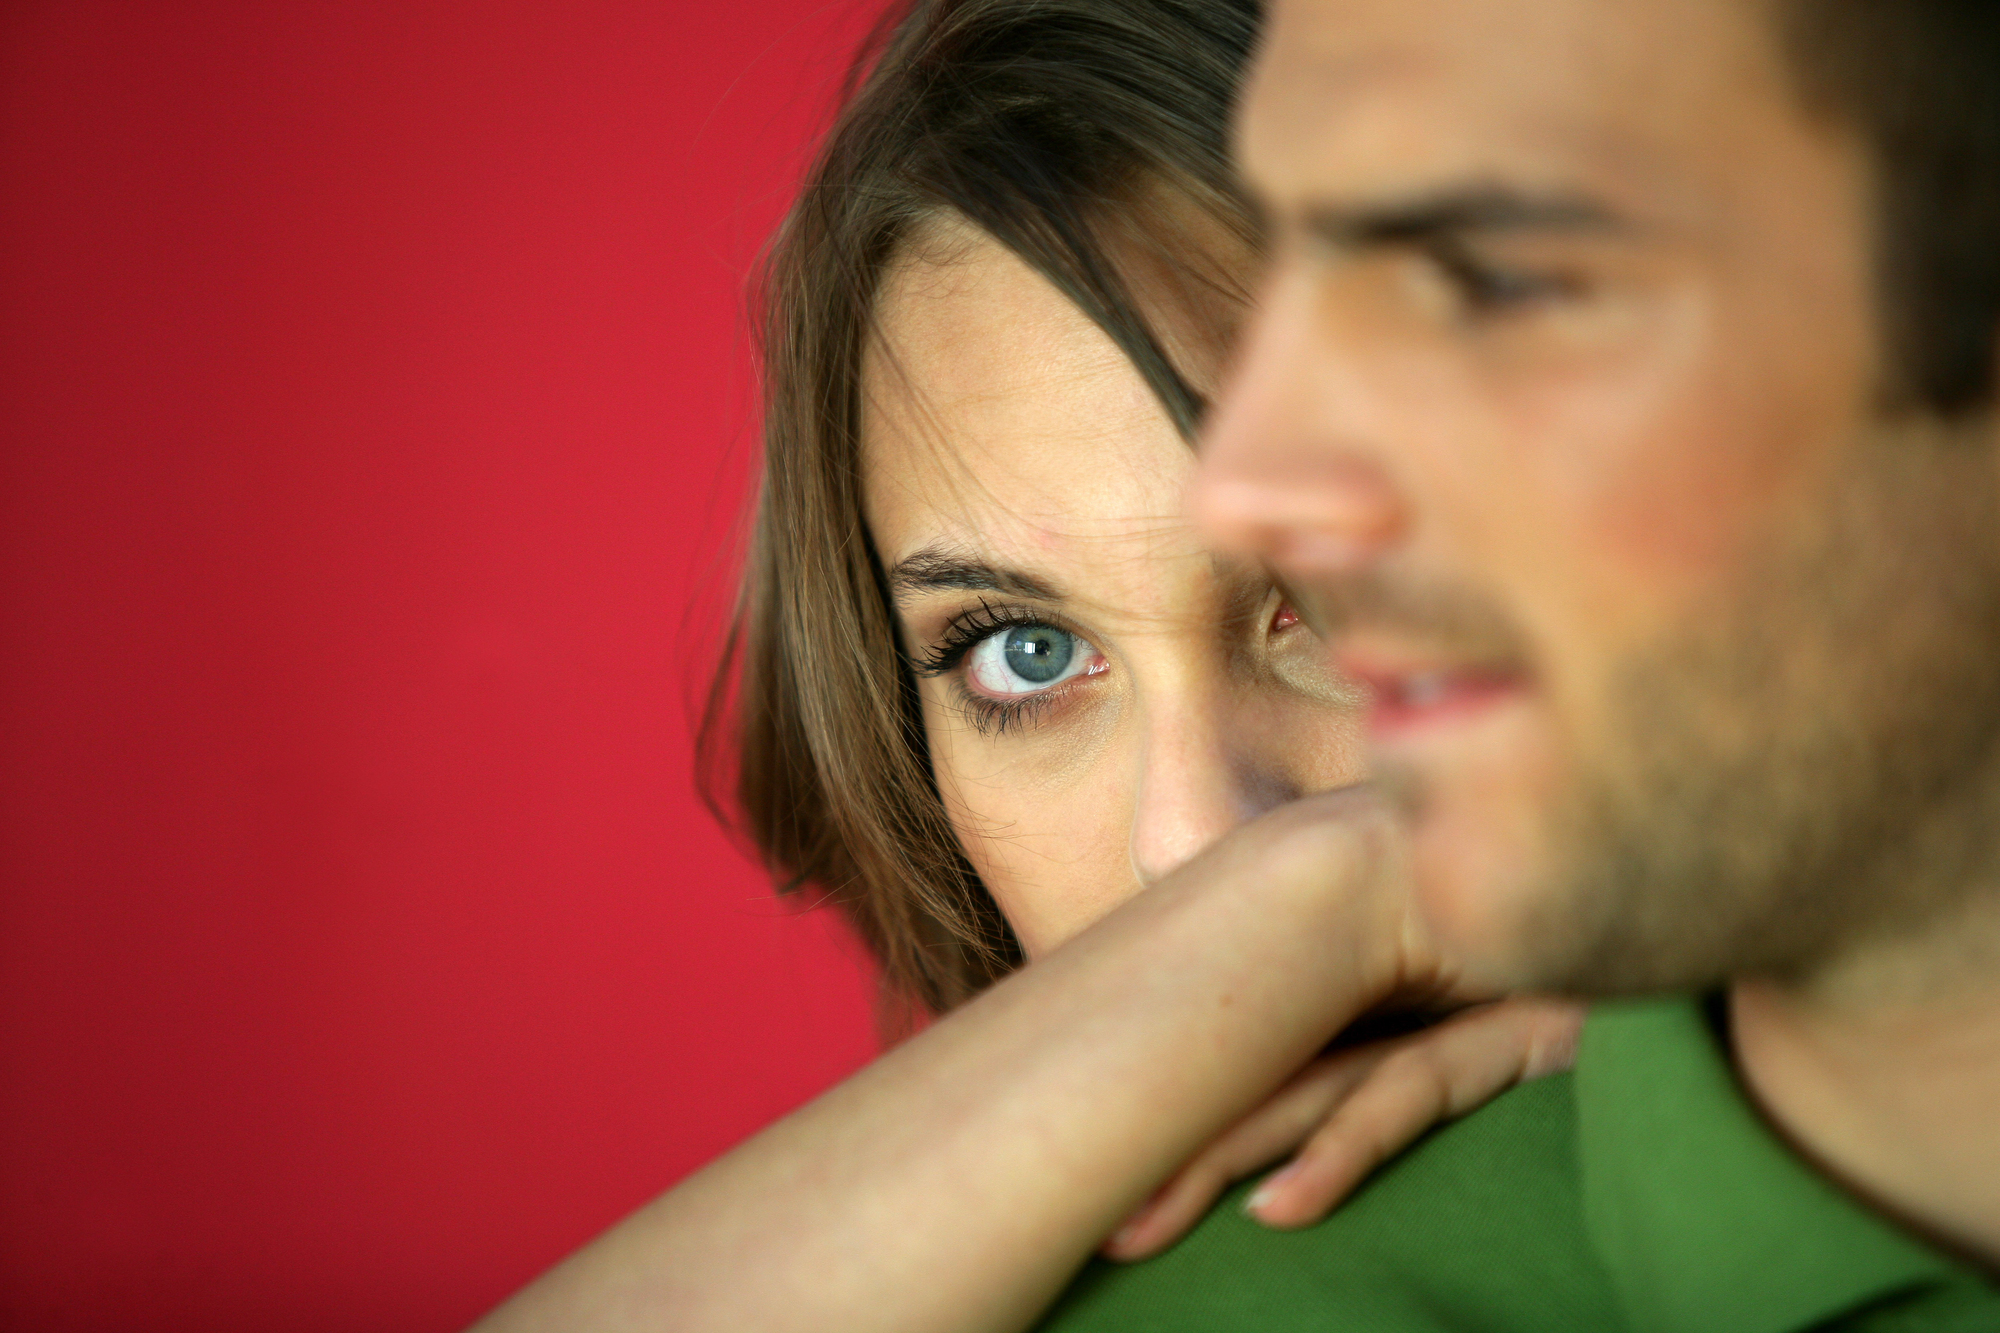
pixel 1348 1112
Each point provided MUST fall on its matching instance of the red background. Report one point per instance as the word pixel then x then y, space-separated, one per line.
pixel 376 399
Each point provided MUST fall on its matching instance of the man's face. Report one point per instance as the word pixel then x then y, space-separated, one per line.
pixel 1562 418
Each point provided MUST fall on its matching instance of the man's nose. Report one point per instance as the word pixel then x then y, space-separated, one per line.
pixel 1204 769
pixel 1287 473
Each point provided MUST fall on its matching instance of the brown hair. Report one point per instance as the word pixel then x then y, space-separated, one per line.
pixel 1919 81
pixel 1051 125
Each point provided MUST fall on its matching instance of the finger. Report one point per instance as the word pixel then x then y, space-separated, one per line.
pixel 1260 1138
pixel 1433 1076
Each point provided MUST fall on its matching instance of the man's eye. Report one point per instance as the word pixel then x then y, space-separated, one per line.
pixel 1024 659
pixel 1488 288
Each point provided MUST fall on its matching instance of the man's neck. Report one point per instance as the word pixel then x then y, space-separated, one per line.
pixel 1887 1075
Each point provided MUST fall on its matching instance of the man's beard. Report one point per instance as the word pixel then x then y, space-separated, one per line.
pixel 1811 764
pixel 1809 761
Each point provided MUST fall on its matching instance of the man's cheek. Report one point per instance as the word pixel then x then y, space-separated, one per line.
pixel 1616 528
pixel 1479 830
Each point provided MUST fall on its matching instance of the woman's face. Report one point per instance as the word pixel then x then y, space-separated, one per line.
pixel 1102 696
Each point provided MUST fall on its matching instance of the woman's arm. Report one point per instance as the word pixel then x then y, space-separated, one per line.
pixel 957 1183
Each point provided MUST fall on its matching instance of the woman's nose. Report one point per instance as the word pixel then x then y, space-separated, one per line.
pixel 1204 769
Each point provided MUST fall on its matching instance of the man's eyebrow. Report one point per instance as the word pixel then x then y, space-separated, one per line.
pixel 1453 213
pixel 940 569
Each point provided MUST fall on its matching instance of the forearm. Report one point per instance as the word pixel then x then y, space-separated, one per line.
pixel 957 1182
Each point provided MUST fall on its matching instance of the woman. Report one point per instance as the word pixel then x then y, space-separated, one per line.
pixel 992 688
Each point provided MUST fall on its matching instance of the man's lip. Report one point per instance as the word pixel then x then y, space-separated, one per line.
pixel 1407 696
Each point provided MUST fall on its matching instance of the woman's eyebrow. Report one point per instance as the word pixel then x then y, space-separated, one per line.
pixel 943 568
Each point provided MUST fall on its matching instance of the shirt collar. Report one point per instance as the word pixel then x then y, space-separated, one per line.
pixel 1704 1220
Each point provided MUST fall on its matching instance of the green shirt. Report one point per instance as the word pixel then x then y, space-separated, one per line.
pixel 1641 1193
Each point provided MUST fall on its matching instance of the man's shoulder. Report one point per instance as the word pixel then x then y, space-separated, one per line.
pixel 1479 1225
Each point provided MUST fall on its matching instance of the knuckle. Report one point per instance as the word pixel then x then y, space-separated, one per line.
pixel 1418 1081
pixel 1423 1062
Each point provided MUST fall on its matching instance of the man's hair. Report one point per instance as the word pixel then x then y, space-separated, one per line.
pixel 1919 80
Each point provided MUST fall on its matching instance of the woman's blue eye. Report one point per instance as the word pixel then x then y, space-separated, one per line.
pixel 1038 653
pixel 1025 658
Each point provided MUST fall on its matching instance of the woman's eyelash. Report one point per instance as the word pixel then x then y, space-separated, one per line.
pixel 992 717
pixel 967 631
pixel 988 716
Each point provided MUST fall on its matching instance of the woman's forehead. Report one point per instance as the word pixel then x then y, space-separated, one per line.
pixel 995 414
pixel 972 342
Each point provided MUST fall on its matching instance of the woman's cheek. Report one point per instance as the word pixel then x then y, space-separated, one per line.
pixel 1045 821
pixel 1064 866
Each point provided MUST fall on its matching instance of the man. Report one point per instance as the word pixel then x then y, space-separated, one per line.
pixel 1622 408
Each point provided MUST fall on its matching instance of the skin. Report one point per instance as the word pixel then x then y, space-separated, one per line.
pixel 956 1184
pixel 1562 418
pixel 1018 469
pixel 1020 453
pixel 1164 1041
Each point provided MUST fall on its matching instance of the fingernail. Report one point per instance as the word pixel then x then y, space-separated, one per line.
pixel 1268 1190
